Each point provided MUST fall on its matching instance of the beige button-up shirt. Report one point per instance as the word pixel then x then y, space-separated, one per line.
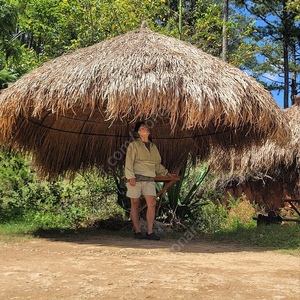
pixel 141 161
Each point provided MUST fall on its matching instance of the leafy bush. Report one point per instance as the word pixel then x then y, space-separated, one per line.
pixel 60 204
pixel 226 215
pixel 15 176
pixel 239 214
pixel 6 76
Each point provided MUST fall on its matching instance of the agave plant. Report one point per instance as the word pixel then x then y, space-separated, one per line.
pixel 180 198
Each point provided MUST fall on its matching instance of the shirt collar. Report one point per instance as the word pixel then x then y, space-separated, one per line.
pixel 140 141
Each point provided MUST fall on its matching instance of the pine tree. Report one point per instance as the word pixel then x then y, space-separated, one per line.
pixel 278 40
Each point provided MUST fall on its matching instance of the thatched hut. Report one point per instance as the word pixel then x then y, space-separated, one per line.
pixel 78 110
pixel 265 174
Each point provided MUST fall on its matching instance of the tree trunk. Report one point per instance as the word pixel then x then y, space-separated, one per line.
pixel 294 76
pixel 29 41
pixel 224 30
pixel 286 68
pixel 180 19
pixel 286 74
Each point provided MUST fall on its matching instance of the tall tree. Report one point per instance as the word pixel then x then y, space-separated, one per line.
pixel 206 30
pixel 294 6
pixel 9 46
pixel 52 27
pixel 277 36
pixel 8 23
pixel 224 31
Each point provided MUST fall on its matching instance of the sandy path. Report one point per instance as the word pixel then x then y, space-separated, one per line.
pixel 110 267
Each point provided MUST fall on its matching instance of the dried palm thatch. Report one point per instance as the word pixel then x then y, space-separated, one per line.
pixel 78 110
pixel 267 161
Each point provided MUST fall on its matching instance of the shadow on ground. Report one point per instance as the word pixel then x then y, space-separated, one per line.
pixel 120 235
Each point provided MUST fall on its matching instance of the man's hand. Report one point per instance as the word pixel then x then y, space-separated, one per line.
pixel 132 181
pixel 171 175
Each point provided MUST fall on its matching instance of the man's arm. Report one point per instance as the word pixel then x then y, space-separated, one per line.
pixel 129 161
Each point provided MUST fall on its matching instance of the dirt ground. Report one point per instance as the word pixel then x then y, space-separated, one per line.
pixel 113 267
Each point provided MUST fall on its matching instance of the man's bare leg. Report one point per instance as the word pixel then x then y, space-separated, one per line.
pixel 134 213
pixel 151 203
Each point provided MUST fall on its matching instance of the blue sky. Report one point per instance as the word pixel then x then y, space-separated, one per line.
pixel 278 98
pixel 277 95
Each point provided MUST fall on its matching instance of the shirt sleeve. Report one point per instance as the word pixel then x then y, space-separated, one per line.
pixel 160 170
pixel 129 161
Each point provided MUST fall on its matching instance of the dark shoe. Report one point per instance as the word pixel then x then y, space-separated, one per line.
pixel 152 236
pixel 138 235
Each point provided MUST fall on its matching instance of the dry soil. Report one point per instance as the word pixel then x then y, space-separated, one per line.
pixel 113 267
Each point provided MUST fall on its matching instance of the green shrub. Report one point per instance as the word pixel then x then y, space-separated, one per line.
pixel 225 215
pixel 23 196
pixel 239 213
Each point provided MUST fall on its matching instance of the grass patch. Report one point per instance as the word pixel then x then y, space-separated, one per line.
pixel 285 237
pixel 23 229
pixel 16 231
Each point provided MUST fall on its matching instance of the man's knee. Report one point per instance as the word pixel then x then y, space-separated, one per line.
pixel 151 202
pixel 135 202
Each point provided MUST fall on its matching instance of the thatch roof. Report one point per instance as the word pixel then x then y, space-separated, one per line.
pixel 267 161
pixel 78 110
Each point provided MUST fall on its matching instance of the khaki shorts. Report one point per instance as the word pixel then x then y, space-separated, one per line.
pixel 141 188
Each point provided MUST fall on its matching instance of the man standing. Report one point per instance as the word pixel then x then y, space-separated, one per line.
pixel 143 163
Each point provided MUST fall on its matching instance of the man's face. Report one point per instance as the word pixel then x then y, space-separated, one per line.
pixel 144 130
